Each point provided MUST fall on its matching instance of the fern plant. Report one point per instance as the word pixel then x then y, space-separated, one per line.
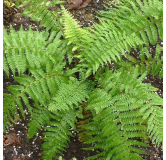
pixel 124 112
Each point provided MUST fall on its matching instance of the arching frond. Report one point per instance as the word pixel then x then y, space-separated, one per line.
pixel 119 119
pixel 40 10
pixel 146 62
pixel 68 95
pixel 57 133
pixel 30 49
pixel 126 26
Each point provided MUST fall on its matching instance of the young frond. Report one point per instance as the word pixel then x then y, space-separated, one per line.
pixel 72 30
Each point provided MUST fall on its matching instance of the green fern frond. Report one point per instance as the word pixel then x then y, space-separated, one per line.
pixel 21 53
pixel 40 116
pixel 154 114
pixel 143 18
pixel 114 36
pixel 9 111
pixel 147 63
pixel 40 87
pixel 47 13
pixel 72 93
pixel 118 122
pixel 122 28
pixel 41 12
pixel 72 30
pixel 107 46
pixel 57 133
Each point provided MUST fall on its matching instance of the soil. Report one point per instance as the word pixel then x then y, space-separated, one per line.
pixel 21 149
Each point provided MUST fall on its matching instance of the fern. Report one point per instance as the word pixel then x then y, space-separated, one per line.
pixel 72 30
pixel 20 53
pixel 152 65
pixel 119 121
pixel 143 18
pixel 155 118
pixel 41 12
pixel 68 95
pixel 57 132
pixel 37 122
pixel 9 111
pixel 113 109
pixel 113 37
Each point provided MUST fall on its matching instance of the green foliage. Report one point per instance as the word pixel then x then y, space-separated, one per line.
pixel 68 95
pixel 119 120
pixel 72 31
pixel 63 77
pixel 41 12
pixel 129 25
pixel 60 158
pixel 57 133
pixel 146 62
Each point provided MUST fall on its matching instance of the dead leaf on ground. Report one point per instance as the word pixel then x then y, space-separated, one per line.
pixel 77 4
pixel 151 157
pixel 11 139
